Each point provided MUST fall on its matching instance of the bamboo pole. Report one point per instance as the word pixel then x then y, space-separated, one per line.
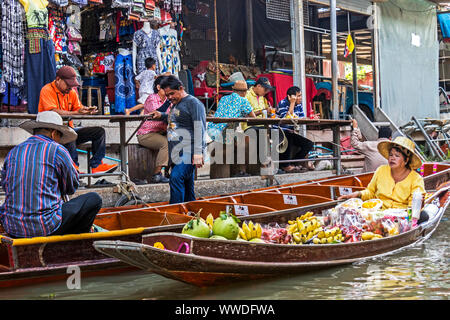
pixel 217 51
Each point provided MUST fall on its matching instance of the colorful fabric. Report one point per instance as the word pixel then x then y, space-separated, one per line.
pixel 34 35
pixel 146 80
pixel 169 50
pixel 36 12
pixel 34 175
pixel 56 27
pixel 125 89
pixel 40 69
pixel 231 106
pixel 146 45
pixel 394 195
pixel 13 44
pixel 152 103
pixel 61 3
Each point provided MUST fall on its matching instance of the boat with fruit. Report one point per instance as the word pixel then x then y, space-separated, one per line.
pixel 294 241
pixel 41 259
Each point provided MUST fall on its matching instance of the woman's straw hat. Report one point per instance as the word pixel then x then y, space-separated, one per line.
pixel 406 145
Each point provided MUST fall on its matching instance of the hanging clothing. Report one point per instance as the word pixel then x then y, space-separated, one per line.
pixel 37 13
pixel 61 3
pixel 177 6
pixel 40 65
pixel 56 28
pixel 146 45
pixel 169 50
pixel 125 90
pixel 13 44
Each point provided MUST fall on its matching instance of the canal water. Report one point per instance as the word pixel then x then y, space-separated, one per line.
pixel 418 272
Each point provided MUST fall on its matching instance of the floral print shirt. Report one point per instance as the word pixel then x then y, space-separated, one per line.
pixel 231 106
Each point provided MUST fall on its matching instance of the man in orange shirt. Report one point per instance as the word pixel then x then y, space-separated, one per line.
pixel 60 96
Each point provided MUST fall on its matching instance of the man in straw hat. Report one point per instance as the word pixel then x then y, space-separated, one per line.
pixel 60 96
pixel 234 105
pixel 35 176
pixel 395 182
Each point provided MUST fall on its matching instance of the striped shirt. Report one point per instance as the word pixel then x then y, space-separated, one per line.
pixel 283 109
pixel 34 175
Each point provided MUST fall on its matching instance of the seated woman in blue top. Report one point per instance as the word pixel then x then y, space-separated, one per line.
pixel 298 146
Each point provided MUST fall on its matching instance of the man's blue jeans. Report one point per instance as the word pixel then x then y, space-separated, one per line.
pixel 94 134
pixel 182 183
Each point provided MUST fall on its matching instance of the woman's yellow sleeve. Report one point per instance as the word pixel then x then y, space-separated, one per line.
pixel 369 192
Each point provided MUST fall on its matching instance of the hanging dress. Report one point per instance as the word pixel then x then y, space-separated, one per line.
pixel 169 50
pixel 146 47
pixel 125 90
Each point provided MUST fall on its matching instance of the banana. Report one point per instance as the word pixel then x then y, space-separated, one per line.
pixel 258 230
pixel 300 225
pixel 248 233
pixel 323 240
pixel 250 225
pixel 293 228
pixel 291 222
pixel 297 238
pixel 321 234
pixel 242 234
pixel 310 235
pixel 316 241
pixel 330 240
pixel 210 220
pixel 254 232
pixel 333 232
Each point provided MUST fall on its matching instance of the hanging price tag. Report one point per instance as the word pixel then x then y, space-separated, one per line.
pixel 241 210
pixel 288 199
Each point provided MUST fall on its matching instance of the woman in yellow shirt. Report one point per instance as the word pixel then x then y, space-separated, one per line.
pixel 394 183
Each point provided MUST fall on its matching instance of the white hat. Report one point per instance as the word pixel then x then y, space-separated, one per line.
pixel 50 120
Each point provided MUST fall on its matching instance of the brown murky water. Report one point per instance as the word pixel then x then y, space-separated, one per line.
pixel 419 272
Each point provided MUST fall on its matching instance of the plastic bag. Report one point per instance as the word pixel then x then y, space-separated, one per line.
pixel 390 227
pixel 275 233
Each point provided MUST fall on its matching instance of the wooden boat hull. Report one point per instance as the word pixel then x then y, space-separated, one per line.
pixel 204 271
pixel 208 262
pixel 211 270
pixel 47 258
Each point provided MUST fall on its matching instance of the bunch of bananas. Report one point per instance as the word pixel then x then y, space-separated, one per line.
pixel 304 228
pixel 329 236
pixel 250 231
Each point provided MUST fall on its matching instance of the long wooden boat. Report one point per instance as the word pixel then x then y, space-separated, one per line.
pixel 40 259
pixel 207 262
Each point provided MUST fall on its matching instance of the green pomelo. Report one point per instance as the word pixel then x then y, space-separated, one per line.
pixel 197 228
pixel 226 226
